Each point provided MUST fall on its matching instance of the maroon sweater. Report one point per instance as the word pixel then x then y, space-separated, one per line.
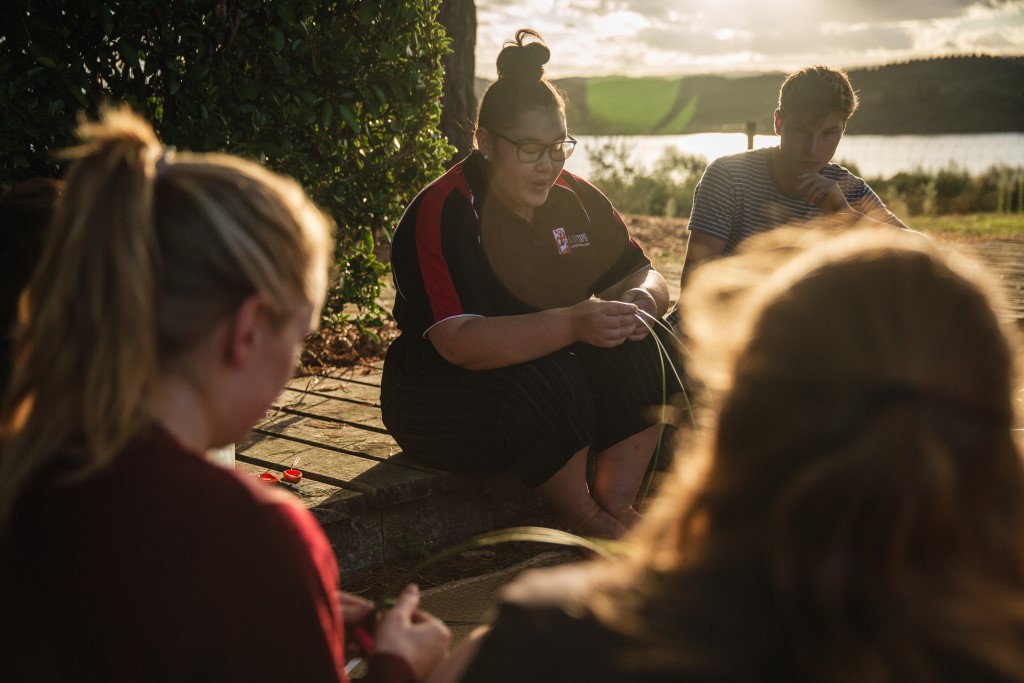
pixel 165 567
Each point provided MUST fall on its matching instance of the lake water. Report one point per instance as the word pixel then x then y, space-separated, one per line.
pixel 874 155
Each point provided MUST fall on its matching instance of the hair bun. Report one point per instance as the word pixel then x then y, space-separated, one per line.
pixel 523 61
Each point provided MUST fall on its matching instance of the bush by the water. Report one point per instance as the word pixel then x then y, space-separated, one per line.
pixel 953 190
pixel 667 188
pixel 664 190
pixel 343 96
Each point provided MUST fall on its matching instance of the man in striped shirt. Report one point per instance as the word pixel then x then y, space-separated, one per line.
pixel 759 190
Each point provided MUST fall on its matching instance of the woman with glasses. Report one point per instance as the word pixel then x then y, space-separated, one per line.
pixel 524 307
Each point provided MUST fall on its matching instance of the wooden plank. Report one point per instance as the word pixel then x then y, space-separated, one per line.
pixel 327 502
pixel 354 531
pixel 328 408
pixel 339 388
pixel 349 439
pixel 1005 258
pixel 368 375
pixel 384 482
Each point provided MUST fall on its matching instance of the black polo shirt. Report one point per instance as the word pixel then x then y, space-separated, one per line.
pixel 455 253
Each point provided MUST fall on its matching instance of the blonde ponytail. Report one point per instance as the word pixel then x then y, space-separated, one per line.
pixel 139 266
pixel 86 360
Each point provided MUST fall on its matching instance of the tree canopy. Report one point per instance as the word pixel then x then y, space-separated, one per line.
pixel 344 96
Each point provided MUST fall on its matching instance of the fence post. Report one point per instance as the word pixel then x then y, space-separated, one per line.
pixel 751 129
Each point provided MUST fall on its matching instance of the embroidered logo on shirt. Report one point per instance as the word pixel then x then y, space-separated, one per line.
pixel 580 239
pixel 561 240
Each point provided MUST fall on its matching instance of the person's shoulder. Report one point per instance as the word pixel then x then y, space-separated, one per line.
pixel 545 630
pixel 558 585
pixel 455 182
pixel 582 192
pixel 741 168
pixel 744 159
pixel 576 184
pixel 229 501
pixel 446 201
pixel 838 172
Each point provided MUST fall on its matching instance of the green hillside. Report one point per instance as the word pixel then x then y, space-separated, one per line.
pixel 977 94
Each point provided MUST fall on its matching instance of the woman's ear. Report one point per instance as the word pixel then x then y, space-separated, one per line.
pixel 244 330
pixel 484 143
pixel 778 122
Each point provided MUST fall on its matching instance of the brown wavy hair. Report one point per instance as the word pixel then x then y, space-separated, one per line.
pixel 855 510
pixel 148 251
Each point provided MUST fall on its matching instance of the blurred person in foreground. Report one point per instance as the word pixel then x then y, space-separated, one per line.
pixel 163 319
pixel 762 189
pixel 524 306
pixel 25 212
pixel 853 512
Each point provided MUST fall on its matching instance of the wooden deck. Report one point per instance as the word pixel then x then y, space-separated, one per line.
pixel 373 502
pixel 1005 259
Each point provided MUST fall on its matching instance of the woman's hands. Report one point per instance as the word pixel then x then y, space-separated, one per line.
pixel 412 634
pixel 644 301
pixel 603 323
pixel 355 612
pixel 405 631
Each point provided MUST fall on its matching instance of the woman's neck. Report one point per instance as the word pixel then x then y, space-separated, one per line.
pixel 180 411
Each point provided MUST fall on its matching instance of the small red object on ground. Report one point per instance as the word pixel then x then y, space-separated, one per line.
pixel 292 476
pixel 268 478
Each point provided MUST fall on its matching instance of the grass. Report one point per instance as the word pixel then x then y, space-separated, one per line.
pixel 630 106
pixel 971 226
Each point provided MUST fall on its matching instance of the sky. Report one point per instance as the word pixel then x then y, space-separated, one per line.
pixel 674 37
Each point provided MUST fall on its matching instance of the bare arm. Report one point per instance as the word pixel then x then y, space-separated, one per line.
pixel 477 343
pixel 700 248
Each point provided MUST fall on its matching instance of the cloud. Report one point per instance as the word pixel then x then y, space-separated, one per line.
pixel 598 37
pixel 910 10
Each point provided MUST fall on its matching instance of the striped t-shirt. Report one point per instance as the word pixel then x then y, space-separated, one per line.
pixel 737 197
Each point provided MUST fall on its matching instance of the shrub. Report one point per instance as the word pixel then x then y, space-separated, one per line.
pixel 1001 188
pixel 664 190
pixel 953 190
pixel 905 193
pixel 343 96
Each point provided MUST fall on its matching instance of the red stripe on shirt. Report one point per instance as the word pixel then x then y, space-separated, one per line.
pixel 562 182
pixel 437 278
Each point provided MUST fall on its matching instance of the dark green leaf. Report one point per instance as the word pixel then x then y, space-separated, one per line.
pixel 350 118
pixel 367 11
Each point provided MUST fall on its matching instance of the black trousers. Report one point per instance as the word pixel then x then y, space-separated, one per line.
pixel 531 417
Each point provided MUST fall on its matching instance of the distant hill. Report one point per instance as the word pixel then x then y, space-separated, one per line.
pixel 969 94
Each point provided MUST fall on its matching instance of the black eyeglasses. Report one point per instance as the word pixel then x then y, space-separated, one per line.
pixel 531 152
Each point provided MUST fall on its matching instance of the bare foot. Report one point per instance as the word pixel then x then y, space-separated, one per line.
pixel 627 516
pixel 598 524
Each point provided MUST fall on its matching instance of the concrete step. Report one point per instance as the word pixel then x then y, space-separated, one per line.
pixel 375 505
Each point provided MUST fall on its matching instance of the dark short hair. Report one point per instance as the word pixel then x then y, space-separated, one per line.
pixel 817 91
pixel 520 85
